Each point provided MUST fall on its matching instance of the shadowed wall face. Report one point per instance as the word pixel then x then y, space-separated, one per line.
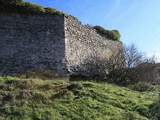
pixel 31 42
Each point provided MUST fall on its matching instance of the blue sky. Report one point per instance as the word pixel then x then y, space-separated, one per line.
pixel 137 20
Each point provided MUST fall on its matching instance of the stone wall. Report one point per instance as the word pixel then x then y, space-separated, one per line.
pixel 31 42
pixel 84 48
pixel 51 42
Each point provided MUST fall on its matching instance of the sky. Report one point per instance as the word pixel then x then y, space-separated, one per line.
pixel 138 21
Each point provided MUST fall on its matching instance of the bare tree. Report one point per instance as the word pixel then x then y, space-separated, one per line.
pixel 123 67
pixel 132 56
pixel 151 60
pixel 120 67
pixel 128 57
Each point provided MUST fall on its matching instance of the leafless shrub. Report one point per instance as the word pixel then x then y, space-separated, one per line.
pixel 123 67
pixel 120 67
pixel 132 56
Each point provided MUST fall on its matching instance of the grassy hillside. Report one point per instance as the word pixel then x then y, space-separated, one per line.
pixel 63 100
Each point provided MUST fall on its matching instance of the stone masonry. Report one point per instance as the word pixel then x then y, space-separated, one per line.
pixel 84 47
pixel 49 42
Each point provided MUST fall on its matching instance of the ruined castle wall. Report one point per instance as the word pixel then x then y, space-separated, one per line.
pixel 31 42
pixel 51 42
pixel 84 48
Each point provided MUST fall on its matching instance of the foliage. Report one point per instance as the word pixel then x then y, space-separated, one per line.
pixel 121 77
pixel 32 8
pixel 155 110
pixel 112 35
pixel 50 10
pixel 118 71
pixel 123 68
pixel 18 6
pixel 116 35
pixel 11 2
pixel 141 86
pixel 28 99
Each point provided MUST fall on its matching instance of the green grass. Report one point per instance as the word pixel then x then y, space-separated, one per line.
pixel 109 34
pixel 33 99
pixel 22 7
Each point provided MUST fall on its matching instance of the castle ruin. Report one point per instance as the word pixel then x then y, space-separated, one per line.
pixel 51 42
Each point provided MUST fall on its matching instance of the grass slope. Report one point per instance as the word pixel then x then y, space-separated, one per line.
pixel 35 99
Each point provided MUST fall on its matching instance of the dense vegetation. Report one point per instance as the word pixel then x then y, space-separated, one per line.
pixel 18 6
pixel 155 109
pixel 110 34
pixel 35 99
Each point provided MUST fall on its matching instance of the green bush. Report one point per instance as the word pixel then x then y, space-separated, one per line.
pixel 75 85
pixel 155 110
pixel 11 2
pixel 116 35
pixel 76 88
pixel 18 6
pixel 113 34
pixel 129 115
pixel 53 11
pixel 122 77
pixel 128 78
pixel 141 86
pixel 27 7
pixel 50 10
pixel 33 7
